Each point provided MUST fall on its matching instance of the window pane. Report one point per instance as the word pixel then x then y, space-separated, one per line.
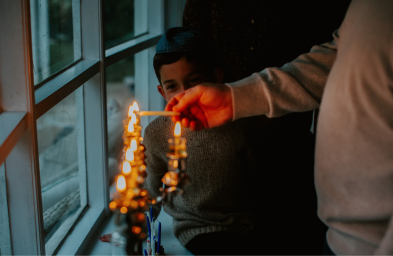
pixel 60 133
pixel 126 81
pixel 120 89
pixel 124 20
pixel 5 243
pixel 55 27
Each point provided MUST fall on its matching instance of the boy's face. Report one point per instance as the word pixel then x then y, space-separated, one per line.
pixel 182 75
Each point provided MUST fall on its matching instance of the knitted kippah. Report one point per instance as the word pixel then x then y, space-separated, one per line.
pixel 182 39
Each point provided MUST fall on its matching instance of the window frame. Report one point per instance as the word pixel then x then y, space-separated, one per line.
pixel 23 104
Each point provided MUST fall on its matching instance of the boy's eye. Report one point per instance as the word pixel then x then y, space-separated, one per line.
pixel 195 80
pixel 171 87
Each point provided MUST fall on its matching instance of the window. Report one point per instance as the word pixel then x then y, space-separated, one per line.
pixel 54 71
pixel 5 245
pixel 60 136
pixel 124 20
pixel 55 34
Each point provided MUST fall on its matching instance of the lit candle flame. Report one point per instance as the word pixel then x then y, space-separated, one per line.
pixel 130 126
pixel 121 183
pixel 134 146
pixel 177 129
pixel 129 155
pixel 135 106
pixel 133 118
pixel 132 108
pixel 126 167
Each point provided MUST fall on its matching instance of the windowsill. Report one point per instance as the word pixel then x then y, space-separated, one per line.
pixel 169 241
pixel 85 229
pixel 12 127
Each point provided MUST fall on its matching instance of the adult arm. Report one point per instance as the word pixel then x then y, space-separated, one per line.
pixel 296 87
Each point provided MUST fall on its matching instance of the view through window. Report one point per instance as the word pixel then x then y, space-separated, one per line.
pixel 120 84
pixel 5 245
pixel 60 133
pixel 56 36
pixel 124 20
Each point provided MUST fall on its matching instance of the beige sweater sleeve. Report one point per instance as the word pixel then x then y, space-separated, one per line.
pixel 295 87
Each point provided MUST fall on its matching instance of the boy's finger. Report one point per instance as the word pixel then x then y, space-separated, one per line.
pixel 190 96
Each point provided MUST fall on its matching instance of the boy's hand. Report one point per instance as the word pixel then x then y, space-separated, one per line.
pixel 203 106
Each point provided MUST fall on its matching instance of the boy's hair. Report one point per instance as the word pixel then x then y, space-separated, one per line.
pixel 179 42
pixel 207 59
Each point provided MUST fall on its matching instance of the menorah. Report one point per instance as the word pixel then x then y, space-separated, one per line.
pixel 131 199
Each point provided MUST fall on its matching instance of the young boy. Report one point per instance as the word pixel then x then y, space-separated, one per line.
pixel 235 203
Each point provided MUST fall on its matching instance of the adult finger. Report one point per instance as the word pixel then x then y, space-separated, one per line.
pixel 196 126
pixel 172 102
pixel 176 119
pixel 189 97
pixel 185 122
pixel 199 115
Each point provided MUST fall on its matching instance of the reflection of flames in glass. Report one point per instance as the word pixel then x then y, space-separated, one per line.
pixel 129 155
pixel 170 179
pixel 126 167
pixel 121 183
pixel 130 126
pixel 133 118
pixel 136 229
pixel 133 145
pixel 177 129
pixel 112 205
pixel 171 189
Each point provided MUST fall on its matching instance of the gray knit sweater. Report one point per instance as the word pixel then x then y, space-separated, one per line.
pixel 231 173
pixel 210 202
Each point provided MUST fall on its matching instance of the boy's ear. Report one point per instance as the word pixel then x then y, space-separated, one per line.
pixel 218 75
pixel 161 91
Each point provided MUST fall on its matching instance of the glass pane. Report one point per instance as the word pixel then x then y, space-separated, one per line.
pixel 5 243
pixel 126 81
pixel 60 133
pixel 120 89
pixel 124 20
pixel 55 29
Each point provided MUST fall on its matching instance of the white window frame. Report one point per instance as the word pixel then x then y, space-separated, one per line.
pixel 22 105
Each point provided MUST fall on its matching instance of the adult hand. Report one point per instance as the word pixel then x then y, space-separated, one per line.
pixel 203 106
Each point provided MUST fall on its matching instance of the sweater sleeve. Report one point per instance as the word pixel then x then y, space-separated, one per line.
pixel 157 167
pixel 386 245
pixel 295 87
